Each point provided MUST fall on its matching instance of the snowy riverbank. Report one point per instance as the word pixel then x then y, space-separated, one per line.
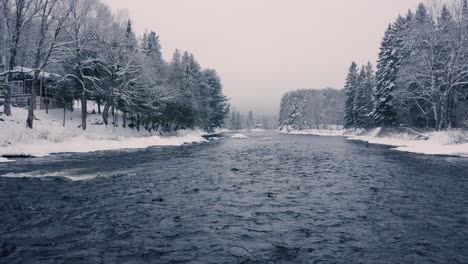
pixel 49 136
pixel 451 143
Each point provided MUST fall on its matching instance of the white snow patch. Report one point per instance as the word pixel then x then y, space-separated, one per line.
pixel 239 136
pixel 4 160
pixel 452 143
pixel 260 130
pixel 222 130
pixel 49 136
pixel 40 174
pixel 315 132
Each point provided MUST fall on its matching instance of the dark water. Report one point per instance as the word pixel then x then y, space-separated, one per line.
pixel 268 199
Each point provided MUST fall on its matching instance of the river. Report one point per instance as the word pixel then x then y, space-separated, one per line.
pixel 270 198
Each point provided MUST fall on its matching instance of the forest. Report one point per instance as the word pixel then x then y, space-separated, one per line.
pixel 95 55
pixel 312 109
pixel 237 121
pixel 421 79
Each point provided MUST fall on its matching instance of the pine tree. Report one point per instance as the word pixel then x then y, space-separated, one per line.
pixel 421 15
pixel 238 121
pixel 350 90
pixel 218 103
pixel 364 100
pixel 250 120
pixel 127 73
pixel 232 121
pixel 390 57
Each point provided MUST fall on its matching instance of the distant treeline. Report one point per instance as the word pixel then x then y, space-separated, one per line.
pixel 237 121
pixel 422 73
pixel 99 58
pixel 312 109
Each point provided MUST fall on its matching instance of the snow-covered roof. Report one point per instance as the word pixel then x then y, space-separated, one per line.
pixel 18 69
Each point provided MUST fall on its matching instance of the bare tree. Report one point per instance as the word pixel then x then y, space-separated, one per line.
pixel 52 16
pixel 437 67
pixel 16 14
pixel 82 33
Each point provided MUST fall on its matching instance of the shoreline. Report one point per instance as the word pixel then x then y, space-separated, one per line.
pixel 50 137
pixel 438 143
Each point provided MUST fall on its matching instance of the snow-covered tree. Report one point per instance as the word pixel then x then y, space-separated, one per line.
pixel 363 103
pixel 51 18
pixel 218 103
pixel 17 14
pixel 350 90
pixel 250 120
pixel 388 65
pixel 312 109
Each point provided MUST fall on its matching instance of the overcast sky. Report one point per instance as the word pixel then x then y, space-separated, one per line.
pixel 264 48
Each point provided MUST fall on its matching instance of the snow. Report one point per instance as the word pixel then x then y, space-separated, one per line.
pixel 450 143
pixel 4 160
pixel 315 132
pixel 30 71
pixel 64 174
pixel 259 130
pixel 334 131
pixel 239 136
pixel 49 136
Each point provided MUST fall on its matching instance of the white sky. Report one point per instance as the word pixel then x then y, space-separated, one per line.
pixel 264 48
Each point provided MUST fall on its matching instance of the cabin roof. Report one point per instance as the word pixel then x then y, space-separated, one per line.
pixel 20 69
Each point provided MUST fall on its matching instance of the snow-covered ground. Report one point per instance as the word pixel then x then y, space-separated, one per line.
pixel 49 136
pixel 452 143
pixel 315 132
pixel 4 160
pixel 239 136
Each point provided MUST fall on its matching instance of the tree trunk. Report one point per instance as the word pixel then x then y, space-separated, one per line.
pixel 116 118
pixel 436 117
pixel 29 120
pixel 105 113
pixel 124 119
pixel 7 104
pixel 84 111
pixel 32 102
pixel 64 114
pixel 98 106
pixel 47 101
pixel 138 123
pixel 13 52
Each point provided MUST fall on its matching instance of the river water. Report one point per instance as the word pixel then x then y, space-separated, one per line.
pixel 267 199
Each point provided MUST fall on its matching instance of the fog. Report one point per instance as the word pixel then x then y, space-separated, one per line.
pixel 264 48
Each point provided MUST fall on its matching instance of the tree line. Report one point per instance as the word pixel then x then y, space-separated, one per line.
pixel 312 109
pixel 238 121
pixel 98 57
pixel 422 73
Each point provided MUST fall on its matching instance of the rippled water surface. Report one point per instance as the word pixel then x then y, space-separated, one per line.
pixel 267 199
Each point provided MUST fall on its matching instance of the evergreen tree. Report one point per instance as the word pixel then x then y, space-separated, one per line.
pixel 64 95
pixel 238 121
pixel 350 90
pixel 422 15
pixel 218 103
pixel 250 120
pixel 388 65
pixel 364 101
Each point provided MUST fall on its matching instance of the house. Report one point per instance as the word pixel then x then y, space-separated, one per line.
pixel 21 83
